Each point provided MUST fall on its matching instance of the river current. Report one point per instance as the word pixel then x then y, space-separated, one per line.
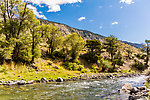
pixel 104 89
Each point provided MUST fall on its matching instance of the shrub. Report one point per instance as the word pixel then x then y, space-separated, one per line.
pixel 73 66
pixel 83 71
pixel 139 65
pixel 93 69
pixel 106 66
pixel 81 67
pixel 59 54
pixel 92 58
pixel 3 69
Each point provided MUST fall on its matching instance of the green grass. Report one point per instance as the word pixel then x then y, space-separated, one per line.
pixel 19 72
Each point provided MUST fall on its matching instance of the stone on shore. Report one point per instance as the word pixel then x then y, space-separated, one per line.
pixel 22 82
pixel 59 79
pixel 44 80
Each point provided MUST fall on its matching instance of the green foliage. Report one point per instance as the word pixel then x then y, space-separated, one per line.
pixel 95 48
pixel 73 66
pixel 139 65
pixel 93 69
pixel 83 71
pixel 54 38
pixel 111 46
pixel 118 59
pixel 92 58
pixel 17 26
pixel 59 54
pixel 127 71
pixel 73 44
pixel 106 66
pixel 93 45
pixel 3 69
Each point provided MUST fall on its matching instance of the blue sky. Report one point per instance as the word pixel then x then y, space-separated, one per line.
pixel 125 19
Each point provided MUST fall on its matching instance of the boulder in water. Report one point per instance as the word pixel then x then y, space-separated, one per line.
pixel 127 86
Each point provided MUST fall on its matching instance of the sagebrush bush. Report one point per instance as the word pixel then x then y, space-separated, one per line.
pixel 93 69
pixel 139 65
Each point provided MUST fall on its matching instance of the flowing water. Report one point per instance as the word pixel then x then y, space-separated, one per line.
pixel 106 89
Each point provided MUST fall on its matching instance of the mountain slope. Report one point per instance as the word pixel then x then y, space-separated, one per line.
pixel 65 29
pixel 86 35
pixel 137 45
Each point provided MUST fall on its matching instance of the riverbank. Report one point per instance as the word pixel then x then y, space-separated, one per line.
pixel 81 77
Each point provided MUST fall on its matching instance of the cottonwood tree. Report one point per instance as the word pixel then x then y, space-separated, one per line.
pixel 15 20
pixel 53 38
pixel 73 44
pixel 36 38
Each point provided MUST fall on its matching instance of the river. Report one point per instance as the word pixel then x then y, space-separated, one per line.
pixel 106 89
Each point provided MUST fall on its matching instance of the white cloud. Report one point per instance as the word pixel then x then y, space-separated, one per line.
pixel 81 18
pixel 53 5
pixel 54 8
pixel 114 23
pixel 100 27
pixel 127 1
pixel 36 12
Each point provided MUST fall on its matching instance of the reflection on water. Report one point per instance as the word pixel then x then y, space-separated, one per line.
pixel 84 90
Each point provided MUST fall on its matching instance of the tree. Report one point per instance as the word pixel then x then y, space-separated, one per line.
pixel 118 59
pixel 54 38
pixel 111 46
pixel 36 38
pixel 95 48
pixel 93 45
pixel 147 51
pixel 15 21
pixel 73 44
